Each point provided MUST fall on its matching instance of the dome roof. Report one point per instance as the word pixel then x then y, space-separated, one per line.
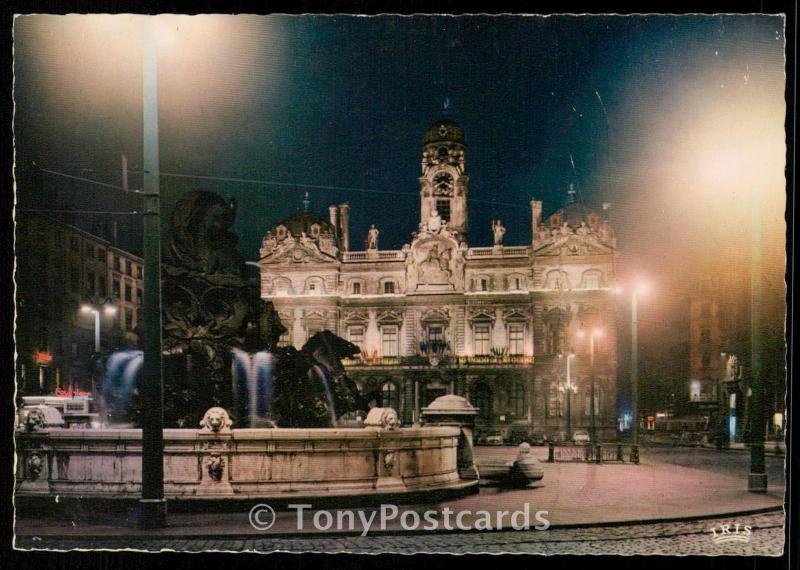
pixel 450 404
pixel 444 130
pixel 302 221
pixel 576 213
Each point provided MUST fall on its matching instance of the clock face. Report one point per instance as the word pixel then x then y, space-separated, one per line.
pixel 443 182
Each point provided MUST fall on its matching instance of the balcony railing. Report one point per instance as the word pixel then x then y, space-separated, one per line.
pixel 503 251
pixel 389 254
pixel 511 359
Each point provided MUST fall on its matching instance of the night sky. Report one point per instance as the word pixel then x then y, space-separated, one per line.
pixel 670 119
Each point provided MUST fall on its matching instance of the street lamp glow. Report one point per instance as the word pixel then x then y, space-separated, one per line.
pixel 110 310
pixel 87 308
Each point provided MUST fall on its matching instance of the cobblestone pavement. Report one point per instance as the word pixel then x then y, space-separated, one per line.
pixel 675 538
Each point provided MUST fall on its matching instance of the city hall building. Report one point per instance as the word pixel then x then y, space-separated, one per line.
pixel 506 326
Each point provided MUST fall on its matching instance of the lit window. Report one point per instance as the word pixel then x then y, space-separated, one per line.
pixel 481 338
pixel 389 395
pixel 389 337
pixel 515 338
pixel 388 287
pixel 356 334
pixel 285 339
pixel 435 333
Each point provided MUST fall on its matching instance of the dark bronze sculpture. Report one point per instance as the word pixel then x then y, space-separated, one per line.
pixel 210 307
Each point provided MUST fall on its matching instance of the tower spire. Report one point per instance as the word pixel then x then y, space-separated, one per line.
pixel 446 107
pixel 571 194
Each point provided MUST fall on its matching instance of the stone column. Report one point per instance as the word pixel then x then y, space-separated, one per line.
pixel 536 217
pixel 372 336
pixel 298 330
pixel 499 330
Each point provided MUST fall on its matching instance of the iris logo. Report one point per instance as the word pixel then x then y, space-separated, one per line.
pixel 725 533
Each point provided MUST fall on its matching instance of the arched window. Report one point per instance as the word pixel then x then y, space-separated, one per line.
pixel 556 279
pixel 315 286
pixel 282 286
pixel 481 333
pixel 390 397
pixel 482 399
pixel 592 279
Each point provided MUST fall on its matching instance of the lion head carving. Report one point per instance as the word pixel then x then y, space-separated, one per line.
pixel 216 420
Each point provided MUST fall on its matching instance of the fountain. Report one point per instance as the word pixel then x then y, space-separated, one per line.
pixel 252 385
pixel 121 374
pixel 224 372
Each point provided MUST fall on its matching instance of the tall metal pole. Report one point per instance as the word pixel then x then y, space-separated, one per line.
pixel 757 480
pixel 96 330
pixel 153 504
pixel 569 400
pixel 634 371
pixel 591 394
pixel 96 352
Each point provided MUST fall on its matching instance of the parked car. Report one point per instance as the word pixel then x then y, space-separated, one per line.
pixel 517 436
pixel 494 439
pixel 580 436
pixel 689 439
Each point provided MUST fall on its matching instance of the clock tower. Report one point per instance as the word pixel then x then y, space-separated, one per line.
pixel 443 184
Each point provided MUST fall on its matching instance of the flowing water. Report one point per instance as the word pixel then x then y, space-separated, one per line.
pixel 253 386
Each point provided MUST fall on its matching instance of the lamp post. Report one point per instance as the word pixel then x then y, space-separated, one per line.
pixel 153 504
pixel 568 388
pixel 593 425
pixel 640 288
pixel 108 309
pixel 757 480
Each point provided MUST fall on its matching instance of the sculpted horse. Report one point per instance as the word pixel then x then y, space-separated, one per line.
pixel 312 380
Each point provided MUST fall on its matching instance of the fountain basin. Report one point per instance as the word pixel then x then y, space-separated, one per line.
pixel 243 463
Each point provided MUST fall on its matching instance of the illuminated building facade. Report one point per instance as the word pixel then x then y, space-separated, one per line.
pixel 59 268
pixel 438 316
